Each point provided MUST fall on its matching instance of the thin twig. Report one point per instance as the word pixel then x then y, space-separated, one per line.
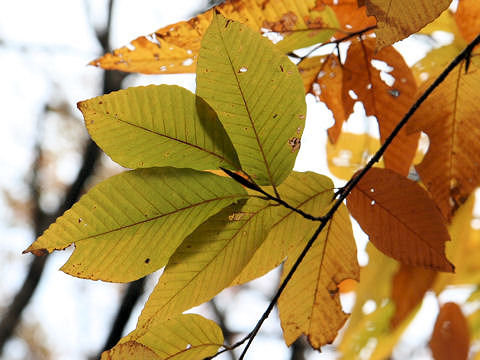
pixel 346 191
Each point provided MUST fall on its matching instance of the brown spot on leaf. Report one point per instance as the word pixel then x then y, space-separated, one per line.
pixel 147 260
pixel 286 23
pixel 40 252
pixel 294 143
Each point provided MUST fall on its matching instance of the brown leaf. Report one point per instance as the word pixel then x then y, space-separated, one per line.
pixel 451 338
pixel 450 117
pixel 410 284
pixel 397 19
pixel 400 219
pixel 174 48
pixel 468 18
pixel 387 102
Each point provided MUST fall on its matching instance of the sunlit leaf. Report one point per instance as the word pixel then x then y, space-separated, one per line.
pixel 405 223
pixel 451 338
pixel 468 18
pixel 387 94
pixel 450 169
pixel 311 193
pixel 350 153
pixel 258 95
pixel 397 19
pixel 174 48
pixel 129 225
pixel 185 337
pixel 351 15
pixel 158 126
pixel 209 259
pixel 310 304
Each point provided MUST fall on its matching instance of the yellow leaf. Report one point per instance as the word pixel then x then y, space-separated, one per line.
pixel 397 19
pixel 307 191
pixel 450 170
pixel 310 303
pixel 185 337
pixel 209 259
pixel 129 225
pixel 405 223
pixel 174 48
pixel 350 153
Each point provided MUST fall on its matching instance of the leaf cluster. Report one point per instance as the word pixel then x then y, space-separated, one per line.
pixel 212 197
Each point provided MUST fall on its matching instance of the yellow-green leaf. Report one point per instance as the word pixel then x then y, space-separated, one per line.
pixel 310 303
pixel 158 126
pixel 209 259
pixel 307 191
pixel 129 225
pixel 185 337
pixel 258 95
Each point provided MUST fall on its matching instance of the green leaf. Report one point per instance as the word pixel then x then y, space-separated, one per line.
pixel 210 258
pixel 158 126
pixel 320 27
pixel 129 225
pixel 258 95
pixel 185 337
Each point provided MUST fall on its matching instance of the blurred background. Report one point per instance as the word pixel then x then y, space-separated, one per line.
pixel 47 161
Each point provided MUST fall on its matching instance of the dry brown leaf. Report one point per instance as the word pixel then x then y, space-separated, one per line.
pixel 174 48
pixel 410 284
pixel 451 338
pixel 397 19
pixel 450 117
pixel 387 102
pixel 400 219
pixel 468 18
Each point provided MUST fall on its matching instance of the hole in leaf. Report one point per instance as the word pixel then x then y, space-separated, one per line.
pixel 352 94
pixel 243 69
pixel 187 62
pixel 369 306
pixel 372 202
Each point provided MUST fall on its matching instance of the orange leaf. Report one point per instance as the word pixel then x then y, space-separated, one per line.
pixel 323 77
pixel 451 338
pixel 174 48
pixel 387 102
pixel 397 19
pixel 468 18
pixel 350 16
pixel 450 117
pixel 400 218
pixel 410 284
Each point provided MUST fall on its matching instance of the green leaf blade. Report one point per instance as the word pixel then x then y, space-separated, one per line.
pixel 129 225
pixel 258 95
pixel 163 125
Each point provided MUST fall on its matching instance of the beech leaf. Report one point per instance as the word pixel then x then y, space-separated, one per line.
pixel 451 336
pixel 387 94
pixel 209 259
pixel 130 224
pixel 310 303
pixel 468 18
pixel 258 96
pixel 158 126
pixel 450 170
pixel 174 48
pixel 405 223
pixel 397 19
pixel 185 337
